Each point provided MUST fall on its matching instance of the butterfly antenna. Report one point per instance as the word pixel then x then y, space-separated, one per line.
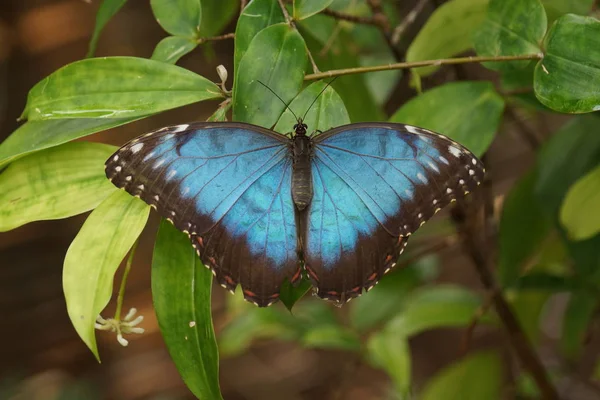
pixel 287 106
pixel 319 95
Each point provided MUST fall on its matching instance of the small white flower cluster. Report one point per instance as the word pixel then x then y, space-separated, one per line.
pixel 124 326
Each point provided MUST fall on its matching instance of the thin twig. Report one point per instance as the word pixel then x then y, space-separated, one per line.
pixel 526 132
pixel 407 21
pixel 349 17
pixel 475 247
pixel 415 64
pixel 383 23
pixel 215 38
pixel 291 23
pixel 121 295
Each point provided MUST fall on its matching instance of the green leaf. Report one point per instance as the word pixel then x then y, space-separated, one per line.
pixel 216 15
pixel 317 31
pixel 473 378
pixel 523 227
pixel 390 351
pixel 94 256
pixel 331 336
pixel 116 87
pixel 178 17
pixel 580 214
pixel 38 135
pixel 389 297
pixel 381 84
pixel 328 111
pixel 172 48
pixel 107 10
pixel 257 15
pixel 437 307
pixel 181 288
pixel 306 8
pixel 568 78
pixel 557 8
pixel 571 152
pixel 221 114
pixel 52 184
pixel 511 28
pixel 276 57
pixel 578 315
pixel 289 294
pixel 447 32
pixel 257 323
pixel 467 112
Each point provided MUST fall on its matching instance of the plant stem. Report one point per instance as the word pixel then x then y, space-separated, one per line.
pixel 425 63
pixel 349 17
pixel 475 248
pixel 124 281
pixel 214 38
pixel 383 23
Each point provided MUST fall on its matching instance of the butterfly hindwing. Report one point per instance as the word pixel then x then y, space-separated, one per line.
pixel 227 186
pixel 375 184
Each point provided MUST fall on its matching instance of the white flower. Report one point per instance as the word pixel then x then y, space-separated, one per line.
pixel 125 326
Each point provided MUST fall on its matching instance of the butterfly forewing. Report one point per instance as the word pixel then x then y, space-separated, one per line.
pixel 227 186
pixel 375 184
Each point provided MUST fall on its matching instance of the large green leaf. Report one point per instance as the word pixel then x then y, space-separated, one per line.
pixel 568 78
pixel 389 297
pixel 320 32
pixel 116 87
pixel 56 183
pixel 277 58
pixel 107 10
pixel 256 16
pixel 447 32
pixel 307 8
pixel 523 227
pixel 577 317
pixel 38 135
pixel 580 214
pixel 557 8
pixel 390 351
pixel 436 307
pixel 94 256
pixel 467 112
pixel 172 48
pixel 476 377
pixel 216 14
pixel 328 110
pixel 511 28
pixel 181 288
pixel 178 17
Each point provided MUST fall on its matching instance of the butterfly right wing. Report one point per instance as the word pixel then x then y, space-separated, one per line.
pixel 227 186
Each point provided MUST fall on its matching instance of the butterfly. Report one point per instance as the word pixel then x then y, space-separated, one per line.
pixel 260 207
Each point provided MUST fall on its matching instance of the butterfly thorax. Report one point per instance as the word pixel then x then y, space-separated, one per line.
pixel 302 187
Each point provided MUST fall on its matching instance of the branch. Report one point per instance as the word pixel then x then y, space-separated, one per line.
pixel 215 38
pixel 351 18
pixel 475 248
pixel 291 23
pixel 415 64
pixel 383 23
pixel 407 21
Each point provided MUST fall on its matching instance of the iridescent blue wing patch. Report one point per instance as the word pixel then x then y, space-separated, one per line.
pixel 375 184
pixel 226 185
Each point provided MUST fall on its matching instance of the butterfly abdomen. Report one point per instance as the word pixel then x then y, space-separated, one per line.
pixel 302 185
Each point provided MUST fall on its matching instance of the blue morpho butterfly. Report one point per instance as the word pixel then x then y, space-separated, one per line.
pixel 260 207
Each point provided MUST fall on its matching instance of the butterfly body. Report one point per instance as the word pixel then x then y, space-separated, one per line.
pixel 260 207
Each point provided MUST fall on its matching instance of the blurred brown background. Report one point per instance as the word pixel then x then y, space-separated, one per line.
pixel 40 353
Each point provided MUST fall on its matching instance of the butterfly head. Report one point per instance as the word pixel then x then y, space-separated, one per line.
pixel 300 128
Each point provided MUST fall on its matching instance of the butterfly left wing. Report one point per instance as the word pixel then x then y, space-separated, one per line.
pixel 374 185
pixel 226 185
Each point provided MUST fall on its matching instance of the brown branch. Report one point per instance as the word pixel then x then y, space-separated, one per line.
pixel 476 249
pixel 349 17
pixel 415 64
pixel 382 22
pixel 407 21
pixel 215 38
